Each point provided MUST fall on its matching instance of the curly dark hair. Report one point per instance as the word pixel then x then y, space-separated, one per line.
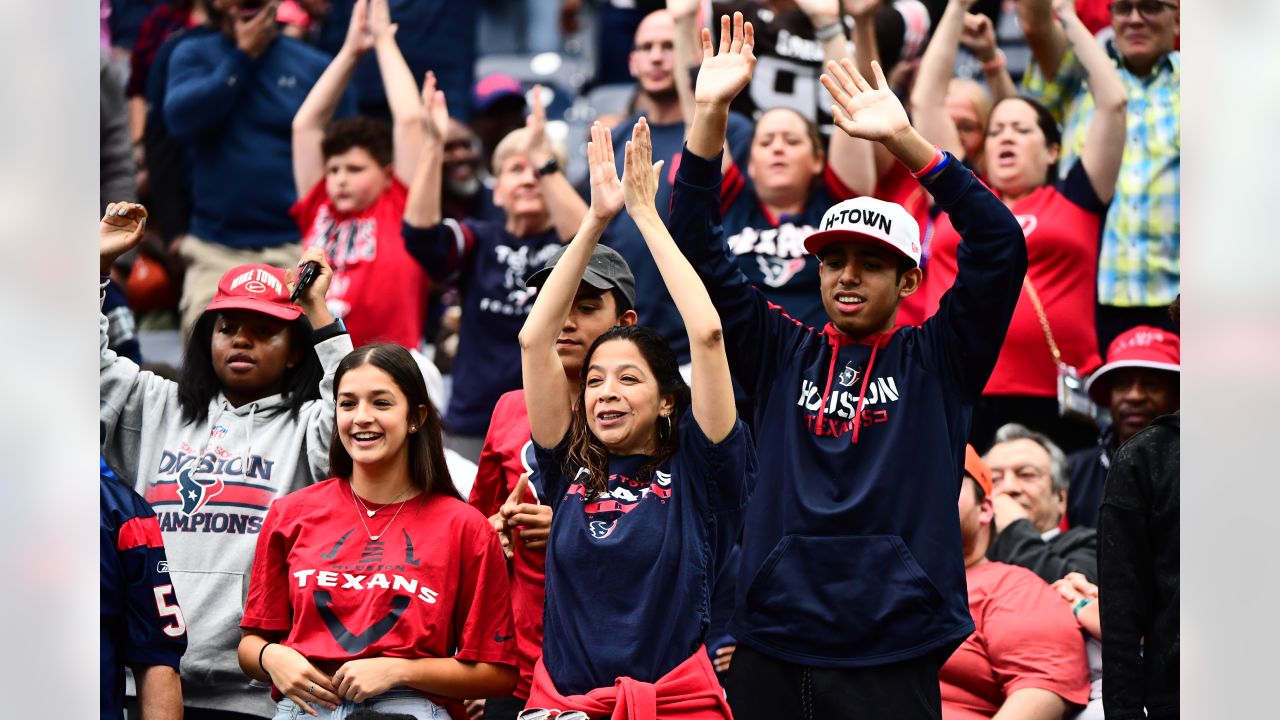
pixel 585 449
pixel 369 134
pixel 427 468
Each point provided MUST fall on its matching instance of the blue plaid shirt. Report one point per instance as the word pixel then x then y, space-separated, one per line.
pixel 1138 265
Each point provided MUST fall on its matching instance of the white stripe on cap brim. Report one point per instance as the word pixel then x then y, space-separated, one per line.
pixel 1149 364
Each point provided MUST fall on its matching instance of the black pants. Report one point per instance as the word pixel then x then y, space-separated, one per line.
pixel 765 688
pixel 506 708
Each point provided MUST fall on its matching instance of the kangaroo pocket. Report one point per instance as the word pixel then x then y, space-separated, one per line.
pixel 858 596
pixel 212 604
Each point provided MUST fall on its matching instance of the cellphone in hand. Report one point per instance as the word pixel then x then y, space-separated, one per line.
pixel 307 275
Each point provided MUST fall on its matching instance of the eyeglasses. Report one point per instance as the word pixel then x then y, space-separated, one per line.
pixel 1148 9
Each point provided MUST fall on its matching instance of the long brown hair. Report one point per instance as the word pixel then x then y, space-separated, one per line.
pixel 427 468
pixel 585 449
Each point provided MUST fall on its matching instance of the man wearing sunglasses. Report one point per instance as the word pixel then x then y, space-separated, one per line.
pixel 1138 264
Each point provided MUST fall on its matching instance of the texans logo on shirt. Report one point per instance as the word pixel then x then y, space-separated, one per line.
pixel 604 512
pixel 776 272
pixel 848 376
pixel 195 493
pixel 346 243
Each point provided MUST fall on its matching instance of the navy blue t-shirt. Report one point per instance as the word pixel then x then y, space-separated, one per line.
pixel 630 573
pixel 654 305
pixel 771 250
pixel 488 265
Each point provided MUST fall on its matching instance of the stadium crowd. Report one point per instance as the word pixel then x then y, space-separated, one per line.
pixel 756 359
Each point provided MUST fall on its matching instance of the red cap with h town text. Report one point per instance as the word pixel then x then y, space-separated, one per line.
pixel 260 288
pixel 863 218
pixel 1144 347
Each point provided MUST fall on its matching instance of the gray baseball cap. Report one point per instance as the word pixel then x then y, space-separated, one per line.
pixel 606 270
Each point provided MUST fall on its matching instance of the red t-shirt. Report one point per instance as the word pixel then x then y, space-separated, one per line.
pixel 378 290
pixel 1025 638
pixel 434 585
pixel 508 454
pixel 1062 223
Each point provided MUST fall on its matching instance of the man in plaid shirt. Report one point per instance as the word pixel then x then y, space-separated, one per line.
pixel 1138 264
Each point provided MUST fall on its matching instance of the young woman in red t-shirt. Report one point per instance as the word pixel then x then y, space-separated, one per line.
pixel 1062 221
pixel 379 587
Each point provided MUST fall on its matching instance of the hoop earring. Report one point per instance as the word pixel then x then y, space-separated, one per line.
pixel 669 426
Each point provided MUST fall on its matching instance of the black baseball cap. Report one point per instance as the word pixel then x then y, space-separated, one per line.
pixel 606 270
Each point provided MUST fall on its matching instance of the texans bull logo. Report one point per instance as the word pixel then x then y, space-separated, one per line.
pixel 777 272
pixel 195 493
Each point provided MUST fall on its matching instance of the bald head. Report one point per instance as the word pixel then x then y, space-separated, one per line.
pixel 653 57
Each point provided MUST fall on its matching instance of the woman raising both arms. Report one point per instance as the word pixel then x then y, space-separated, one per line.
pixel 648 480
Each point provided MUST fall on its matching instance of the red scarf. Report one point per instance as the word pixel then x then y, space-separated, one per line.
pixel 689 692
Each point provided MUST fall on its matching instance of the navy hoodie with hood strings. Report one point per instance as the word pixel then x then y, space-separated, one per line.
pixel 851 554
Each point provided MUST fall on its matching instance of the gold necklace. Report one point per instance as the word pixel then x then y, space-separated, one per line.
pixel 372 537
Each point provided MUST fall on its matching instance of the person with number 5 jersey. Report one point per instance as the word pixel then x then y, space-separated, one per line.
pixel 647 479
pixel 379 588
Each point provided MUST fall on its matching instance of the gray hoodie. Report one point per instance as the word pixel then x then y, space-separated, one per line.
pixel 211 483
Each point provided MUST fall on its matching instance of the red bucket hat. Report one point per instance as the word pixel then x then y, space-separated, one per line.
pixel 260 288
pixel 1144 347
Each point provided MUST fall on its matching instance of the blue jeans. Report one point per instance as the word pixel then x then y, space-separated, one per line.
pixel 394 701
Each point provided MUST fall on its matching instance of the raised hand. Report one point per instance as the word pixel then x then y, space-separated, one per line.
pixel 640 174
pixel 606 188
pixel 1064 8
pixel 723 75
pixel 120 230
pixel 360 38
pixel 312 299
pixel 436 121
pixel 536 143
pixel 979 36
pixel 862 110
pixel 380 25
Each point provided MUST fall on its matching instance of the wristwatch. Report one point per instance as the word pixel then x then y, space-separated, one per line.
pixel 550 166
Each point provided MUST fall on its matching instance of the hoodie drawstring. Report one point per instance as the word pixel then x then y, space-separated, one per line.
pixel 862 394
pixel 831 373
pixel 253 409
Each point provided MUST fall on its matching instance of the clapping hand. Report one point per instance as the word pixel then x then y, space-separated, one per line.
pixel 640 174
pixel 723 75
pixel 359 38
pixel 606 188
pixel 863 110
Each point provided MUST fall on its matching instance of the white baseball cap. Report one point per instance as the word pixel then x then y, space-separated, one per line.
pixel 866 218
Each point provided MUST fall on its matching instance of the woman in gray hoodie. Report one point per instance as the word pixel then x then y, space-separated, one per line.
pixel 249 421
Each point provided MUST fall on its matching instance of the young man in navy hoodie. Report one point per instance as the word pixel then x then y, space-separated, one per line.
pixel 853 589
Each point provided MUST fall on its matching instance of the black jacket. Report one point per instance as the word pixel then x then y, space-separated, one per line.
pixel 1075 550
pixel 1138 559
pixel 1087 471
